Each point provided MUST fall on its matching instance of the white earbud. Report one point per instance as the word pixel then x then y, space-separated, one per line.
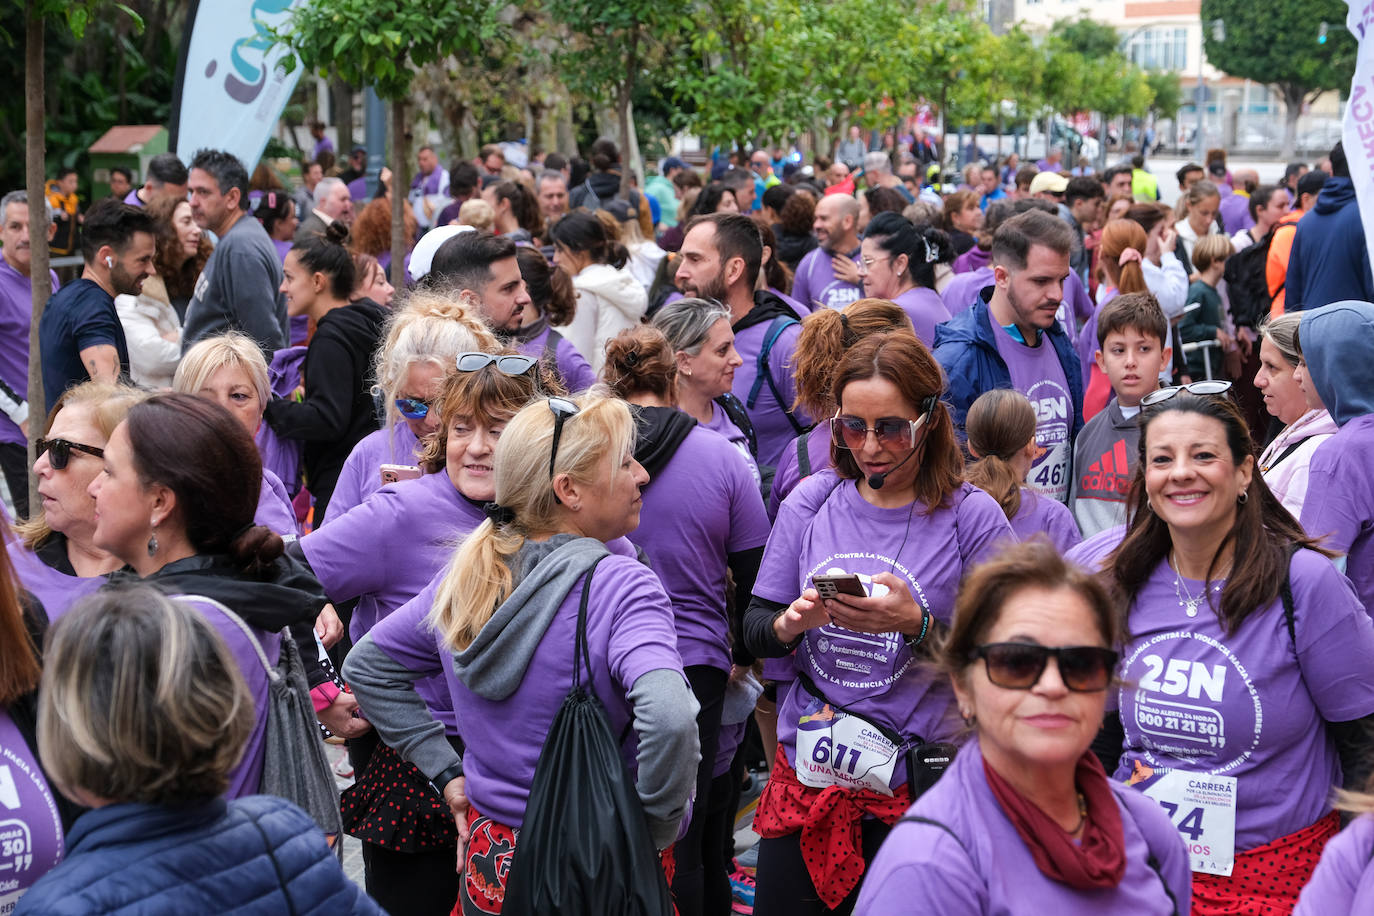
pixel 109 261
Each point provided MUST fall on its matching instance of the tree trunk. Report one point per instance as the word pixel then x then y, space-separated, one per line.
pixel 400 181
pixel 40 283
pixel 341 96
pixel 1292 103
pixel 622 111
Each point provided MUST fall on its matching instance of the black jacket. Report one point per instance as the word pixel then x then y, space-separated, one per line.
pixel 338 409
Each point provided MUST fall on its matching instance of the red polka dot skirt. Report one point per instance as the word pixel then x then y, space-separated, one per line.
pixel 1266 880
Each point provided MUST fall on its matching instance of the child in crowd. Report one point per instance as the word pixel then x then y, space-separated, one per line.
pixel 1208 321
pixel 478 214
pixel 1132 337
pixel 1001 437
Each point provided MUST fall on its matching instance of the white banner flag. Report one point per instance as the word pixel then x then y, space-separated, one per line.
pixel 1357 132
pixel 231 91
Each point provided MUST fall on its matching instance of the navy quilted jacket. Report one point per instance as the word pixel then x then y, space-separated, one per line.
pixel 255 855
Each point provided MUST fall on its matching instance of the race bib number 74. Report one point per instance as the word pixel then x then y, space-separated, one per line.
pixel 1202 808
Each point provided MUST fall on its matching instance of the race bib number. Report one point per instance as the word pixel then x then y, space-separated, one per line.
pixel 1049 473
pixel 1202 808
pixel 835 748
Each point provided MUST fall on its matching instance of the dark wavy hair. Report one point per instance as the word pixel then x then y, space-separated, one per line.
pixel 1261 535
pixel 179 275
pixel 551 289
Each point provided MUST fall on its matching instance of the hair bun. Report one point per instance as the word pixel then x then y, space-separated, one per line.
pixel 336 232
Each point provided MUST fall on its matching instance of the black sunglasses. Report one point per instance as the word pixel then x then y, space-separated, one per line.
pixel 61 451
pixel 1209 386
pixel 1019 665
pixel 563 411
pixel 506 364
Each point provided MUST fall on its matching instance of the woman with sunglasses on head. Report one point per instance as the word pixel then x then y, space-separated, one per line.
pixel 895 522
pixel 53 551
pixel 229 370
pixel 333 409
pixel 898 262
pixel 382 553
pixel 423 337
pixel 499 625
pixel 175 502
pixel 1026 812
pixel 1245 652
pixel 553 301
pixel 692 544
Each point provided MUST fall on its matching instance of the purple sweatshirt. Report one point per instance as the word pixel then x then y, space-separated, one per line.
pixel 362 476
pixel 816 286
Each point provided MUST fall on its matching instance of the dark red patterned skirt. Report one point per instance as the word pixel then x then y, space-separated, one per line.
pixel 1266 880
pixel 393 806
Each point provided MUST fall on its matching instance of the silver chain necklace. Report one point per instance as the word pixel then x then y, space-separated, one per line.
pixel 1188 603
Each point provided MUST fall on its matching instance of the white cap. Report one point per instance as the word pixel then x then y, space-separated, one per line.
pixel 422 256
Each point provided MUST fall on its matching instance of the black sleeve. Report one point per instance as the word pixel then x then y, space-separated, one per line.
pixel 1107 744
pixel 759 638
pixel 324 413
pixel 744 567
pixel 1355 745
pixel 297 553
pixel 303 635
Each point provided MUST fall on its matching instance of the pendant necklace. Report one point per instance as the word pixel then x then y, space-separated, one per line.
pixel 1188 603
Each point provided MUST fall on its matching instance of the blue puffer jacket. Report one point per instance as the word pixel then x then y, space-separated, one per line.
pixel 967 350
pixel 255 855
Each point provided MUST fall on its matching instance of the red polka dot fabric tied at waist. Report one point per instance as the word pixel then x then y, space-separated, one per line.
pixel 393 806
pixel 831 836
pixel 1266 880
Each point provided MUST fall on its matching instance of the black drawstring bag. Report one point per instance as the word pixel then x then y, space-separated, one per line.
pixel 584 846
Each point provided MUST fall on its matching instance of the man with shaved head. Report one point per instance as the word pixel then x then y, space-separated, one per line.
pixel 828 277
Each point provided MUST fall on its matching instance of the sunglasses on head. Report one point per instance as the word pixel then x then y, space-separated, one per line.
pixel 1210 386
pixel 60 451
pixel 412 408
pixel 563 411
pixel 1019 666
pixel 506 364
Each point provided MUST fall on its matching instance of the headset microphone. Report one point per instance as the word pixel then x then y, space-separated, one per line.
pixel 876 481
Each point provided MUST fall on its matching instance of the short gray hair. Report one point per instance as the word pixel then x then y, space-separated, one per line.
pixel 688 322
pixel 210 355
pixel 141 700
pixel 550 175
pixel 326 187
pixel 22 197
pixel 877 161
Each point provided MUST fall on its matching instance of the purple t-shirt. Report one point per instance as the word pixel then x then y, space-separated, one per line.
pixel 989 871
pixel 1235 213
pixel 726 746
pixel 1340 501
pixel 246 777
pixel 629 633
pixel 573 369
pixel 723 426
pixel 274 506
pixel 1344 879
pixel 31 837
pixel 1037 373
pixel 788 473
pixel 1242 705
pixel 16 314
pixel 816 286
pixel 801 308
pixel 362 476
pixel 926 309
pixel 1042 515
pixel 825 526
pixel 771 425
pixel 963 290
pixel 687 540
pixel 132 198
pixel 54 589
pixel 1091 551
pixel 973 259
pixel 386 550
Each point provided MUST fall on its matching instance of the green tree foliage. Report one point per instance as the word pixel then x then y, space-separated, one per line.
pixel 1276 43
pixel 381 44
pixel 1167 93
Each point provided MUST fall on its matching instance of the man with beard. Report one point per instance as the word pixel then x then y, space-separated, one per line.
pixel 1009 338
pixel 828 277
pixel 721 257
pixel 16 311
pixel 79 335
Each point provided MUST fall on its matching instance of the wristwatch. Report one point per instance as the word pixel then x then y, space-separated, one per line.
pixel 446 777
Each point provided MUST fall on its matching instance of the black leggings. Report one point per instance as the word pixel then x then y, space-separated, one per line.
pixel 690 853
pixel 718 839
pixel 783 885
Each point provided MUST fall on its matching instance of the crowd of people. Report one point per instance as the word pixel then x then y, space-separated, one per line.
pixel 1010 541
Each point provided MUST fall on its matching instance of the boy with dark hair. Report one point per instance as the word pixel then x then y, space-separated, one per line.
pixel 1132 339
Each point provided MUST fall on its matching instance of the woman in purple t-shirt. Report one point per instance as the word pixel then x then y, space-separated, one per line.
pixel 1344 879
pixel 692 544
pixel 1026 812
pixel 1246 650
pixel 898 261
pixel 1001 439
pixel 175 502
pixel 895 522
pixel 499 623
pixel 422 339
